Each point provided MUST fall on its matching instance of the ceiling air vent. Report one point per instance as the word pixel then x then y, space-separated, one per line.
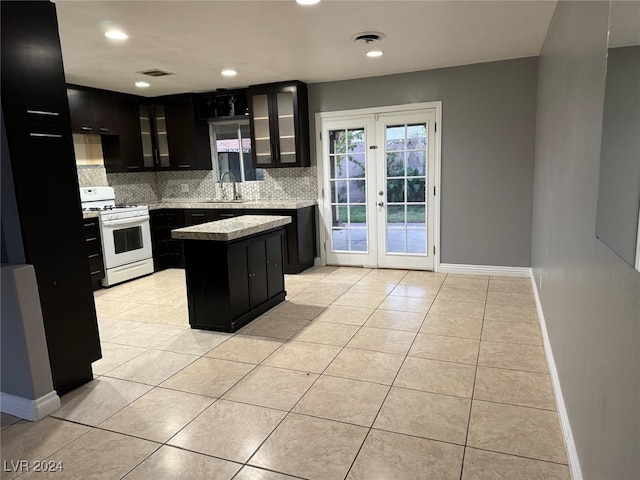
pixel 155 72
pixel 368 37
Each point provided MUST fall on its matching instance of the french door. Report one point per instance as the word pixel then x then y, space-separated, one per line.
pixel 379 179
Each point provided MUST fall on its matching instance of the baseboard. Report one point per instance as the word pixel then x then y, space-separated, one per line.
pixel 319 262
pixel 484 270
pixel 570 446
pixel 29 409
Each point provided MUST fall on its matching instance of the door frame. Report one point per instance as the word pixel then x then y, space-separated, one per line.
pixel 345 114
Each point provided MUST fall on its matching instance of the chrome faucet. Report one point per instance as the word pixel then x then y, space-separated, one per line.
pixel 233 179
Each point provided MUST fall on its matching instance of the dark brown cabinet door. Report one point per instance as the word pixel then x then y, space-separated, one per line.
pixel 279 125
pixel 33 86
pixel 93 111
pixel 106 120
pixel 239 283
pixel 188 137
pixel 275 277
pixel 257 273
pixel 80 110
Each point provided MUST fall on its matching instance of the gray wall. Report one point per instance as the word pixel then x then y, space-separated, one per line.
pixel 590 297
pixel 488 131
pixel 619 187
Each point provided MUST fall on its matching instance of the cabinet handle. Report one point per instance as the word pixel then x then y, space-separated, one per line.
pixel 91 239
pixel 94 255
pixel 103 129
pixel 184 165
pixel 43 112
pixel 96 271
pixel 90 224
pixel 197 214
pixel 45 135
pixel 132 167
pixel 156 157
pixel 84 128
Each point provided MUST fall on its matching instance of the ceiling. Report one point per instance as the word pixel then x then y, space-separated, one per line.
pixel 276 40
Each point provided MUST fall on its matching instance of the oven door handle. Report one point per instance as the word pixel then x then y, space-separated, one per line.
pixel 125 221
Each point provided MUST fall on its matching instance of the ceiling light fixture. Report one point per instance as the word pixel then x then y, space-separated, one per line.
pixel 229 72
pixel 375 53
pixel 142 84
pixel 116 35
pixel 307 2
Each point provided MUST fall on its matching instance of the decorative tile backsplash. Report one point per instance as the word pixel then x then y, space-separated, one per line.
pixel 92 177
pixel 135 187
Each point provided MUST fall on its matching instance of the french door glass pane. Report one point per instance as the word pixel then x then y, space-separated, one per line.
pixel 347 170
pixel 406 182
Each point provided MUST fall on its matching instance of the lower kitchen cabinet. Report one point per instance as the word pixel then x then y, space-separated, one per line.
pixel 94 251
pixel 167 251
pixel 231 283
pixel 203 215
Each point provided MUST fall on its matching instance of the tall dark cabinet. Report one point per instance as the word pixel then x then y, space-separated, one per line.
pixel 36 117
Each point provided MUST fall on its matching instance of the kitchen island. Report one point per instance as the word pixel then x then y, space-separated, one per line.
pixel 234 269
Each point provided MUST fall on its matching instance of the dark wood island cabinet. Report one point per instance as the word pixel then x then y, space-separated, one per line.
pixel 234 270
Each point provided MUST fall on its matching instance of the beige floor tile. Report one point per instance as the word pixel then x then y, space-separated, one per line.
pixel 194 342
pixel 452 326
pixel 140 296
pixel 526 432
pixel 114 355
pixel 423 278
pixel 526 389
pixel 406 304
pixel 504 278
pixel 347 274
pixel 512 356
pixel 326 333
pixel 510 298
pixel 244 348
pixel 450 349
pixel 272 387
pixel 395 320
pixel 253 473
pixel 111 328
pixel 170 463
pixel 510 313
pixel 510 286
pixel 306 357
pixel 173 316
pixel 99 455
pixel 466 276
pixel 94 402
pixel 274 327
pixel 512 332
pixel 177 298
pixel 356 299
pixel 428 415
pixel 229 430
pixel 208 376
pixel 152 367
pixel 316 272
pixel 146 313
pixel 364 365
pixel 457 309
pixel 299 311
pixel 482 465
pixel 466 281
pixel 315 296
pixel 462 295
pixel 373 288
pixel 108 308
pixel 437 377
pixel 312 448
pixel 387 455
pixel 148 335
pixel 113 293
pixel 385 275
pixel 382 340
pixel 36 440
pixel 345 315
pixel 419 291
pixel 157 415
pixel 345 400
pixel 7 420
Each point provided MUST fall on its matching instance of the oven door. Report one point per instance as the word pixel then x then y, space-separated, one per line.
pixel 125 241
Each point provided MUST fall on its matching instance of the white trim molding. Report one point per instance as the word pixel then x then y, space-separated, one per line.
pixel 567 435
pixel 29 409
pixel 485 270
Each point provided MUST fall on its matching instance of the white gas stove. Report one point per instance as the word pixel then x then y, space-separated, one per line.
pixel 125 233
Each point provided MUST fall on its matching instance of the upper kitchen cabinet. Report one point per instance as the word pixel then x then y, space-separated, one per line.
pixel 279 115
pixel 172 137
pixel 93 112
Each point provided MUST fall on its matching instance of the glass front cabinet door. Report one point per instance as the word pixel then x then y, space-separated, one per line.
pixel 279 125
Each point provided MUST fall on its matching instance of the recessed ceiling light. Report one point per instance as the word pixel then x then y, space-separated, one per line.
pixel 307 2
pixel 375 53
pixel 116 35
pixel 142 84
pixel 229 72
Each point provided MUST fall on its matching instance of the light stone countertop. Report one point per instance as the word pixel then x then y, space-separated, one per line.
pixel 90 214
pixel 231 228
pixel 249 204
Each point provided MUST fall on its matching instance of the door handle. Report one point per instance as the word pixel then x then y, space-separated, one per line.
pixel 381 204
